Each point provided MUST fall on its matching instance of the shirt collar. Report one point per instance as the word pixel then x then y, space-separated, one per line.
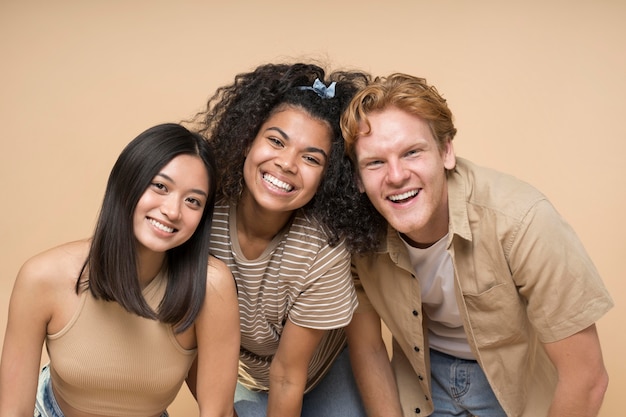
pixel 457 201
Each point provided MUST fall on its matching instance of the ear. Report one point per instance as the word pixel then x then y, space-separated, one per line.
pixel 449 157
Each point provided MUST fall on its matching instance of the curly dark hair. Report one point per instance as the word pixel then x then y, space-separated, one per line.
pixel 236 112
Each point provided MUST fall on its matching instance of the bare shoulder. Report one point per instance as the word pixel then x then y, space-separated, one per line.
pixel 44 290
pixel 219 275
pixel 53 266
pixel 217 266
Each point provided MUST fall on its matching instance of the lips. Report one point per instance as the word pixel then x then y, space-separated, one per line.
pixel 407 195
pixel 161 226
pixel 277 183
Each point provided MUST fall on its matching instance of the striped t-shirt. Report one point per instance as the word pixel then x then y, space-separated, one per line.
pixel 298 277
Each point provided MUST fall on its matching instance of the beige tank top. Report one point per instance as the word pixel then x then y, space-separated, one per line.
pixel 111 362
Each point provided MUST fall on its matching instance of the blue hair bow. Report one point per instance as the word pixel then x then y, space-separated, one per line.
pixel 321 89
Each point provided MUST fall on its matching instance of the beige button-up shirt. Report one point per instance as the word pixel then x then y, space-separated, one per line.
pixel 522 278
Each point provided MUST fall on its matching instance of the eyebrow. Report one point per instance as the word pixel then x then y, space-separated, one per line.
pixel 308 149
pixel 193 190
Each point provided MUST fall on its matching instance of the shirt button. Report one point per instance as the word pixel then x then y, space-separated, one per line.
pixel 415 313
pixel 421 378
pixel 417 411
pixel 416 349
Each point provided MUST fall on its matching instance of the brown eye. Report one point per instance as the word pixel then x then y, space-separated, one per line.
pixel 194 201
pixel 159 186
pixel 275 142
pixel 312 160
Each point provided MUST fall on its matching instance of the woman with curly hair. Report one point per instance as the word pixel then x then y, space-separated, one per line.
pixel 283 225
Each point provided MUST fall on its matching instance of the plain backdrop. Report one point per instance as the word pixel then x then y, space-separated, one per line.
pixel 537 88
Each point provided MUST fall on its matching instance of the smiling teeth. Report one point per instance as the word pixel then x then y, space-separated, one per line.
pixel 277 183
pixel 403 196
pixel 161 226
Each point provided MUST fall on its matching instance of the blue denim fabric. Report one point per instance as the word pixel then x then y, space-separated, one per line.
pixel 335 396
pixel 45 403
pixel 460 388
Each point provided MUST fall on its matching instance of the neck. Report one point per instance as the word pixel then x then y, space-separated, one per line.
pixel 256 227
pixel 149 264
pixel 256 222
pixel 420 245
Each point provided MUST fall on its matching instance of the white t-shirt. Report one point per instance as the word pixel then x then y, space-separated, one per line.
pixel 435 272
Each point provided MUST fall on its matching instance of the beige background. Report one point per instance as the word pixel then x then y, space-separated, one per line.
pixel 538 89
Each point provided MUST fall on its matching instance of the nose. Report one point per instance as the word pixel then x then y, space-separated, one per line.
pixel 171 208
pixel 396 172
pixel 286 161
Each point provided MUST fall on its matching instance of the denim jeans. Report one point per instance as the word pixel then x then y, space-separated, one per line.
pixel 336 395
pixel 460 388
pixel 45 403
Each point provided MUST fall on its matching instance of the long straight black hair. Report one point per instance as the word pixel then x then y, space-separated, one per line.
pixel 110 270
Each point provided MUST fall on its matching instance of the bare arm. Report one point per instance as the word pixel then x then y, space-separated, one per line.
pixel 582 376
pixel 371 366
pixel 217 332
pixel 289 370
pixel 29 313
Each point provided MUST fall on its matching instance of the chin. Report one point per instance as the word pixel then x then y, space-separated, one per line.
pixel 404 226
pixel 399 226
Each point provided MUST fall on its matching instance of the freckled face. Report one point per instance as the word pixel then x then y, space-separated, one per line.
pixel 286 161
pixel 403 172
pixel 171 208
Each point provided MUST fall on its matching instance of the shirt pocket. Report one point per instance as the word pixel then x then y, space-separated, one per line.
pixel 497 316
